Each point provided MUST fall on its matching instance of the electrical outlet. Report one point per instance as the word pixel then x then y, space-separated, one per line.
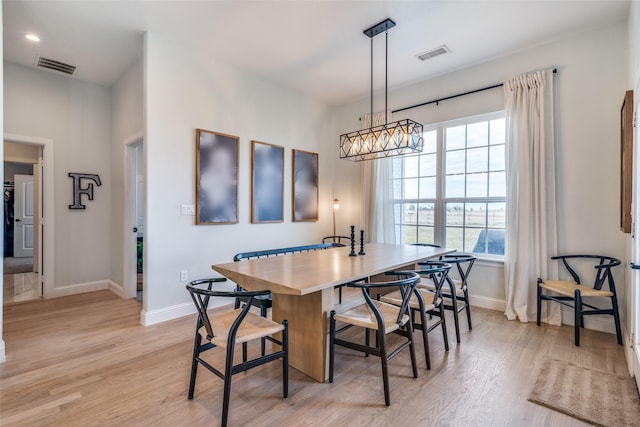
pixel 184 275
pixel 187 210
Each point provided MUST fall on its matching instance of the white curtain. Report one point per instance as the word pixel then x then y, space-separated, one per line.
pixel 531 196
pixel 377 210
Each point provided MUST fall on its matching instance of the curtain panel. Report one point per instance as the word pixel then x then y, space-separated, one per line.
pixel 377 210
pixel 531 222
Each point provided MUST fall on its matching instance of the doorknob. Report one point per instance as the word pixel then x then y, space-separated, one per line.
pixel 634 266
pixel 135 229
pixel 18 220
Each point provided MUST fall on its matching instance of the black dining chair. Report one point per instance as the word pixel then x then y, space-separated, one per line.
pixel 427 302
pixel 571 292
pixel 338 240
pixel 456 290
pixel 381 317
pixel 228 328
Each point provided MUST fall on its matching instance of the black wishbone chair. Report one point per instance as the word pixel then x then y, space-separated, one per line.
pixel 427 302
pixel 384 319
pixel 571 292
pixel 228 328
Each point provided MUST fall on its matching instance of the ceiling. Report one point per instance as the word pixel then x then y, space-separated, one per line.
pixel 312 46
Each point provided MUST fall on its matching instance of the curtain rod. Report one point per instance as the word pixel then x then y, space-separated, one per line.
pixel 436 101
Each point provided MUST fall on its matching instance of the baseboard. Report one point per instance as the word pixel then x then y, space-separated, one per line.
pixel 79 288
pixel 3 357
pixel 151 317
pixel 487 302
pixel 636 365
pixel 116 289
pixel 628 350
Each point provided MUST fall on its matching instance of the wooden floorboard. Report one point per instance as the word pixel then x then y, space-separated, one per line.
pixel 85 360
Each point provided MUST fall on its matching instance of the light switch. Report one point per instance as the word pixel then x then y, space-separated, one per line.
pixel 187 209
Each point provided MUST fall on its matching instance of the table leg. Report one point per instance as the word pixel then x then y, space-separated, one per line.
pixel 307 316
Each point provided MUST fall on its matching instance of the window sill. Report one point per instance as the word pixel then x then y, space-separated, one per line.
pixel 489 262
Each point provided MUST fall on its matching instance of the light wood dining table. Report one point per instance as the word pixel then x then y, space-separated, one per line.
pixel 302 287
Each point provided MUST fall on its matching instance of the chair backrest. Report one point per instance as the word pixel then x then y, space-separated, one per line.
pixel 603 269
pixel 463 263
pixel 438 272
pixel 283 251
pixel 202 290
pixel 338 240
pixel 406 281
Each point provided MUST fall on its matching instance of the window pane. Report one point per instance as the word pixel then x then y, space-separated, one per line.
pixel 497 184
pixel 475 215
pixel 455 162
pixel 428 165
pixel 409 214
pixel 428 188
pixel 477 160
pixel 472 240
pixel 454 137
pixel 454 186
pixel 411 166
pixel 477 185
pixel 495 244
pixel 496 215
pixel 497 131
pixel 397 213
pixel 411 188
pixel 454 237
pixel 409 235
pixel 426 214
pixel 398 168
pixel 454 214
pixel 430 141
pixel 496 158
pixel 425 235
pixel 397 188
pixel 477 134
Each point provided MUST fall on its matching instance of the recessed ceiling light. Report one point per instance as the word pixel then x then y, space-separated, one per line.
pixel 32 37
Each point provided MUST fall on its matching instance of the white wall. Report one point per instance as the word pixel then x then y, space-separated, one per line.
pixel 185 91
pixel 126 123
pixel 77 117
pixel 589 89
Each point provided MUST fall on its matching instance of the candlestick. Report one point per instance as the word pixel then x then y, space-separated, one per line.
pixel 362 252
pixel 353 241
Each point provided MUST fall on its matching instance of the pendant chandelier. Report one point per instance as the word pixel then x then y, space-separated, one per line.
pixel 387 140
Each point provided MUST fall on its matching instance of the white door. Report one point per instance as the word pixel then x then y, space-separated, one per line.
pixel 140 204
pixel 23 216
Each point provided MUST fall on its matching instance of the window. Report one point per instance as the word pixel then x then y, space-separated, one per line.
pixel 454 192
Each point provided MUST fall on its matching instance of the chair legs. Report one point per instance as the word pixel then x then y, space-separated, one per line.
pixel 539 302
pixel 616 318
pixel 194 362
pixel 381 351
pixel 228 370
pixel 285 360
pixel 577 310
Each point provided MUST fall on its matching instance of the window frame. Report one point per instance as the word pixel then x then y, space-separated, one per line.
pixel 440 201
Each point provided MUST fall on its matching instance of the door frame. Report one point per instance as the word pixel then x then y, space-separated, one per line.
pixel 47 221
pixel 130 238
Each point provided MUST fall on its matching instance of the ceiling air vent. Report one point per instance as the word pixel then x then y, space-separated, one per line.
pixel 440 50
pixel 54 65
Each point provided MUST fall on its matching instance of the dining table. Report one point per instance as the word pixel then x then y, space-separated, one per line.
pixel 302 288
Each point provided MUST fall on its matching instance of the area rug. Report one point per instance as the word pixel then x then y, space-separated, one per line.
pixel 597 397
pixel 18 265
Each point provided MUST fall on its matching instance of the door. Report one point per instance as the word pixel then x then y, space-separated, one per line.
pixel 23 214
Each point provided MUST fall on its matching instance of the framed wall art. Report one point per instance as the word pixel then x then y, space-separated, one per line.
pixel 216 178
pixel 626 161
pixel 267 183
pixel 305 186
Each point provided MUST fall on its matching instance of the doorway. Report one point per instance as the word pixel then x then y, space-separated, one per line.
pixel 134 224
pixel 22 259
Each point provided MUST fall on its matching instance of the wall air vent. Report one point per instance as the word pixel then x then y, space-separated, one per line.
pixel 54 65
pixel 440 50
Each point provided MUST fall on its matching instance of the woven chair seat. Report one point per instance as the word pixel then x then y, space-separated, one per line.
pixel 395 298
pixel 568 288
pixel 428 284
pixel 363 316
pixel 252 327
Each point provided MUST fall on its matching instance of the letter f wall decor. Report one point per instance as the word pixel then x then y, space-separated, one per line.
pixel 79 190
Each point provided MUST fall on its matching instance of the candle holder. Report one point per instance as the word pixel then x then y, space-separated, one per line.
pixel 362 252
pixel 353 241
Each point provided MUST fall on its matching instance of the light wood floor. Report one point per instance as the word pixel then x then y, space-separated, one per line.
pixel 86 361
